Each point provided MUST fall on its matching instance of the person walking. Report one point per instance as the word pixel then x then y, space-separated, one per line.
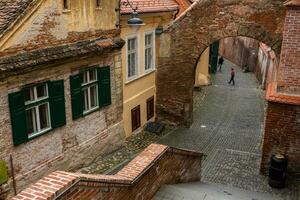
pixel 221 61
pixel 232 73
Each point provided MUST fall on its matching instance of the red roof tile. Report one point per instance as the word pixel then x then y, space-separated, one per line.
pixel 10 10
pixel 183 5
pixel 273 96
pixel 149 6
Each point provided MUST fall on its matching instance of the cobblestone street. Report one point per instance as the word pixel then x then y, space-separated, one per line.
pixel 228 128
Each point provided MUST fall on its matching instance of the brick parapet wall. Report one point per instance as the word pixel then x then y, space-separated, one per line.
pixel 140 179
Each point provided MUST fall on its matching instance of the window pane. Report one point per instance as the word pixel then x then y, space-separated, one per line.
pixel 129 65
pixel 150 58
pixel 128 45
pixel 44 116
pixel 94 98
pixel 133 44
pixel 92 75
pixel 31 121
pixel 29 94
pixel 132 58
pixel 41 91
pixel 86 99
pixel 148 39
pixel 146 59
pixel 85 77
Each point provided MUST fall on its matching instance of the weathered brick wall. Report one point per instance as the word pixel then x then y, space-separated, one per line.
pixel 282 129
pixel 289 69
pixel 139 180
pixel 241 51
pixel 282 123
pixel 267 66
pixel 193 32
pixel 78 142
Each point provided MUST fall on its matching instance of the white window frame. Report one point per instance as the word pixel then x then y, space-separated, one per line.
pixel 136 60
pixel 88 85
pixel 37 112
pixel 152 68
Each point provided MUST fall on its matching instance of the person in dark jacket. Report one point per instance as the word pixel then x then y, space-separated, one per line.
pixel 232 73
pixel 221 61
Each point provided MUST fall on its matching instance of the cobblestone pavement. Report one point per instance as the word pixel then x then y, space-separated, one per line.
pixel 111 163
pixel 228 128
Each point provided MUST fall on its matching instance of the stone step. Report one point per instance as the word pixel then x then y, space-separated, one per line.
pixel 208 191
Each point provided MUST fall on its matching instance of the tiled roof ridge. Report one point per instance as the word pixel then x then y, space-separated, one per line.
pixel 15 64
pixel 273 96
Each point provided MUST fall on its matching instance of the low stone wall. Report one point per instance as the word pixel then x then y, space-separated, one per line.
pixel 140 179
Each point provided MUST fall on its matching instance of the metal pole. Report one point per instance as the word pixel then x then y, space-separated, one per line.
pixel 13 174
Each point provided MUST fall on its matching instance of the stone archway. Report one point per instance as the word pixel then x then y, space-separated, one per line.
pixel 205 22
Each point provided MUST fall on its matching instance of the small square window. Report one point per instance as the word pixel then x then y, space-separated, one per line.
pixel 66 4
pixel 98 3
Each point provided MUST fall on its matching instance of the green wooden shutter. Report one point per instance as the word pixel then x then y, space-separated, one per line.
pixel 57 103
pixel 18 117
pixel 104 86
pixel 76 96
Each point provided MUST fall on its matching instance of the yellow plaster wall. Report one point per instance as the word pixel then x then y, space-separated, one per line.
pixel 202 74
pixel 137 92
pixel 49 18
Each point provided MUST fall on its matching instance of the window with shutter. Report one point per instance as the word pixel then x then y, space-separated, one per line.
pixel 90 90
pixel 135 118
pixel 36 110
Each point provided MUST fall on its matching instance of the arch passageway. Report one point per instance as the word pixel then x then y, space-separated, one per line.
pixel 228 128
pixel 272 22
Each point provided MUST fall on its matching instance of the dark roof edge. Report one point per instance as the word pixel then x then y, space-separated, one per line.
pixel 14 63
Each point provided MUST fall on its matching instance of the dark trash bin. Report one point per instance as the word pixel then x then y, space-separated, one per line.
pixel 277 171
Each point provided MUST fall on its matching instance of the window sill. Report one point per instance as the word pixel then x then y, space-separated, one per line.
pixel 39 134
pixel 66 11
pixel 139 77
pixel 91 111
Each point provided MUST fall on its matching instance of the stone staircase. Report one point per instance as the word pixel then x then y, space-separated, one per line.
pixel 208 191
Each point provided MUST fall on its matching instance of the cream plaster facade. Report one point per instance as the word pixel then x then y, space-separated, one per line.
pixel 48 20
pixel 136 91
pixel 202 74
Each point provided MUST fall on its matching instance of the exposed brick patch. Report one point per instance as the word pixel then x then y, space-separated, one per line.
pixel 140 179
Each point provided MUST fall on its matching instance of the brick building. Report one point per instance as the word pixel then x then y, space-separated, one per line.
pixel 60 86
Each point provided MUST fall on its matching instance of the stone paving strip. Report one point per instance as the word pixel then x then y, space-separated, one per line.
pixel 134 144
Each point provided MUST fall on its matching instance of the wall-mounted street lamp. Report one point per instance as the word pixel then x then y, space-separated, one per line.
pixel 135 20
